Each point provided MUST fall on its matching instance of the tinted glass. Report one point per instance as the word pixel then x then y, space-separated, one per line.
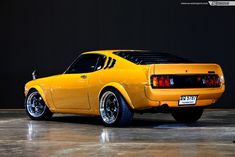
pixel 100 62
pixel 87 63
pixel 149 57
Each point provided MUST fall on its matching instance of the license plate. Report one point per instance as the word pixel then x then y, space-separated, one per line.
pixel 188 100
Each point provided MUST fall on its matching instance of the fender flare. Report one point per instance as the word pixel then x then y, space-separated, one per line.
pixel 40 91
pixel 122 91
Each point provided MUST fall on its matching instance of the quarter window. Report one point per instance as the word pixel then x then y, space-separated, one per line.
pixel 87 63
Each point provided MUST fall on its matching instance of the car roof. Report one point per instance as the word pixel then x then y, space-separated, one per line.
pixel 108 52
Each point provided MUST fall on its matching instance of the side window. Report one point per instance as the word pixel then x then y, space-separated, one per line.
pixel 86 63
pixel 100 62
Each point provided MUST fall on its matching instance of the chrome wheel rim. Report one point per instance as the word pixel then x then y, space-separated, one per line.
pixel 35 105
pixel 109 107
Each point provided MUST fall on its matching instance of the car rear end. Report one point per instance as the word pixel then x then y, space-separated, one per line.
pixel 176 85
pixel 184 85
pixel 176 82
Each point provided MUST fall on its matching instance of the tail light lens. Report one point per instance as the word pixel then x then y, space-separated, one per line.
pixel 167 81
pixel 163 81
pixel 211 81
pixel 155 81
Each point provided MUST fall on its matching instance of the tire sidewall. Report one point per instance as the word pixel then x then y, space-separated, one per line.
pixel 121 102
pixel 46 114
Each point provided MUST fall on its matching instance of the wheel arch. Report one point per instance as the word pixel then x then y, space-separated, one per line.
pixel 40 91
pixel 120 89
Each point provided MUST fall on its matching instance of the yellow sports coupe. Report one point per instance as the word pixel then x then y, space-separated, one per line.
pixel 117 83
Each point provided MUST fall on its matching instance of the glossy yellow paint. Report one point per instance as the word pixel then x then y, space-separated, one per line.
pixel 121 89
pixel 69 93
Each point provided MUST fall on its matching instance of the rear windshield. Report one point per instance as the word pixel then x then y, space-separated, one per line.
pixel 150 57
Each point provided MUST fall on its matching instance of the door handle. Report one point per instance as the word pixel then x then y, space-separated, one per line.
pixel 83 76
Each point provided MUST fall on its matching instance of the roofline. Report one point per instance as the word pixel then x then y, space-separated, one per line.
pixel 111 51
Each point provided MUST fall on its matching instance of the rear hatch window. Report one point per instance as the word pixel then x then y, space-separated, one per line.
pixel 150 57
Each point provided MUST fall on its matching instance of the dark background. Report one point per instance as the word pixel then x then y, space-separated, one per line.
pixel 47 35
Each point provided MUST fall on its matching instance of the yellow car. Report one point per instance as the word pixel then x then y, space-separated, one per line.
pixel 117 83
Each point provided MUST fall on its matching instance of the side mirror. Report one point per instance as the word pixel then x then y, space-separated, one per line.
pixel 34 74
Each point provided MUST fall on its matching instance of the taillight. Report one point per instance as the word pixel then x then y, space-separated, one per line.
pixel 155 81
pixel 211 81
pixel 186 81
pixel 163 81
pixel 218 82
pixel 167 81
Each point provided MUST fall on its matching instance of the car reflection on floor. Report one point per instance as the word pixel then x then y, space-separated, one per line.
pixel 148 135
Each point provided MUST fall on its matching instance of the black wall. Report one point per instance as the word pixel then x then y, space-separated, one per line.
pixel 47 35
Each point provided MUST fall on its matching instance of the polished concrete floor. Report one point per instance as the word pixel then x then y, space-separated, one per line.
pixel 149 135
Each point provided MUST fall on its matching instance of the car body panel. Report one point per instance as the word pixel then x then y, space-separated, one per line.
pixel 67 89
pixel 69 93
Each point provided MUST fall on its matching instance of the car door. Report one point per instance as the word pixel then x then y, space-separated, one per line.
pixel 70 90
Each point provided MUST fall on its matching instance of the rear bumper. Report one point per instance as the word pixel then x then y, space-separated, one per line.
pixel 206 96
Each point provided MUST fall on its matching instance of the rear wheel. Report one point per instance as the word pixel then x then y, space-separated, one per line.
pixel 114 110
pixel 35 106
pixel 187 115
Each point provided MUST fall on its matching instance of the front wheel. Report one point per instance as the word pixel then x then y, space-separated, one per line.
pixel 35 107
pixel 187 115
pixel 114 110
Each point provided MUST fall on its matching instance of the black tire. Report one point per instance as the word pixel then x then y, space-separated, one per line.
pixel 187 115
pixel 35 106
pixel 124 114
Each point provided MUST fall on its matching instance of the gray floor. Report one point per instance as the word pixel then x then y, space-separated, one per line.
pixel 149 135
